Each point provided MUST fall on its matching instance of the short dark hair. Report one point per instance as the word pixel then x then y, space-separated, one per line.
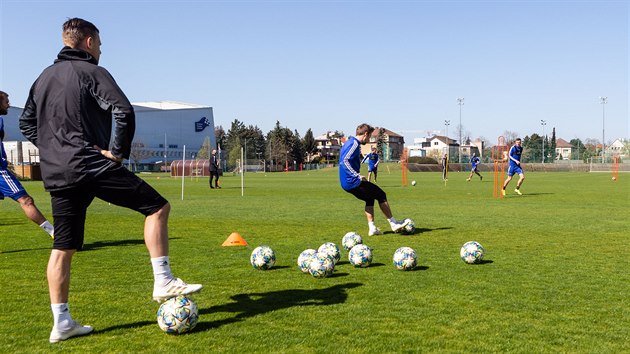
pixel 75 30
pixel 362 128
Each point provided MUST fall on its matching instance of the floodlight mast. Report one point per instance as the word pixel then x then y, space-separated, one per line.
pixel 603 100
pixel 543 123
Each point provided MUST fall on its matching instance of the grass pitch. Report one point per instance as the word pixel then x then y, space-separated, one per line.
pixel 556 276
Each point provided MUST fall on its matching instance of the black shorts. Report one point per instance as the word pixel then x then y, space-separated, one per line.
pixel 368 192
pixel 117 186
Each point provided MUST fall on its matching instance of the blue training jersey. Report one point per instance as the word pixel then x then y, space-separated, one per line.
pixel 3 154
pixel 350 164
pixel 474 161
pixel 515 154
pixel 372 159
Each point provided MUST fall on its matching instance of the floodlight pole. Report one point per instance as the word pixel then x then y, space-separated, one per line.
pixel 603 101
pixel 460 102
pixel 543 123
pixel 448 146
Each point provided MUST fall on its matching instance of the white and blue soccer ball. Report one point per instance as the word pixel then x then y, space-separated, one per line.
pixel 305 258
pixel 322 265
pixel 472 252
pixel 405 258
pixel 360 256
pixel 350 240
pixel 410 228
pixel 262 258
pixel 331 249
pixel 177 315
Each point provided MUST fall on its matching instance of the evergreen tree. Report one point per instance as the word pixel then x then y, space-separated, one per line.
pixel 380 144
pixel 309 144
pixel 552 146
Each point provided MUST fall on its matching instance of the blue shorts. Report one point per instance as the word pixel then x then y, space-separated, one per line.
pixel 10 186
pixel 514 170
pixel 372 168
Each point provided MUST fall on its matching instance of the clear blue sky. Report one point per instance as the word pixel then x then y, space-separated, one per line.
pixel 330 65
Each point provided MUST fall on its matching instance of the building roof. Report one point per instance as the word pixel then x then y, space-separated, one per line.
pixel 165 105
pixel 561 143
pixel 387 131
pixel 443 139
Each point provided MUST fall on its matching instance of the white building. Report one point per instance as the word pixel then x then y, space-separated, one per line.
pixel 162 130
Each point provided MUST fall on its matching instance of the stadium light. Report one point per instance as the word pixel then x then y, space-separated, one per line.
pixel 603 101
pixel 460 102
pixel 543 123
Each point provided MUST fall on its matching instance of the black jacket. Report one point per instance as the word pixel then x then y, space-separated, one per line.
pixel 69 112
pixel 214 163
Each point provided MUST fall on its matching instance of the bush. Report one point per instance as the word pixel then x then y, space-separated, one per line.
pixel 423 160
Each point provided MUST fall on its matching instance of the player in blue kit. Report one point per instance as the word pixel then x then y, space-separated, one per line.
pixel 356 184
pixel 10 186
pixel 515 167
pixel 474 161
pixel 373 160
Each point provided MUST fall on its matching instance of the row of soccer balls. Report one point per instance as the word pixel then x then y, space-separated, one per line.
pixel 320 263
pixel 180 314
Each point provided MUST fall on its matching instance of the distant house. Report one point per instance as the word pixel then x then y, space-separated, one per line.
pixel 434 146
pixel 563 149
pixel 328 146
pixel 617 148
pixel 393 144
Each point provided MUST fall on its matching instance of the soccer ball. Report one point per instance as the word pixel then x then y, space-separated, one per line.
pixel 405 258
pixel 472 252
pixel 413 183
pixel 177 315
pixel 350 240
pixel 360 256
pixel 330 249
pixel 305 258
pixel 410 228
pixel 322 265
pixel 614 178
pixel 262 258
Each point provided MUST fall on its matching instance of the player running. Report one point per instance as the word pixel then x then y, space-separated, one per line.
pixel 474 161
pixel 356 184
pixel 373 160
pixel 515 167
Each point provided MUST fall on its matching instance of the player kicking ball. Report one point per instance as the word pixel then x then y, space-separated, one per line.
pixel 356 184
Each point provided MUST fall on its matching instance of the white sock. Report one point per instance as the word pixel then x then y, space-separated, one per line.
pixel 48 227
pixel 161 270
pixel 392 220
pixel 371 225
pixel 61 315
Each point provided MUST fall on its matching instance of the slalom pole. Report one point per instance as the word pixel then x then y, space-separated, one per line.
pixel 242 175
pixel 183 170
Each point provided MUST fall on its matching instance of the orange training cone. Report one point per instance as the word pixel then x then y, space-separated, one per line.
pixel 235 239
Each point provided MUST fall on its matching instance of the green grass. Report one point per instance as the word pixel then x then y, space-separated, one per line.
pixel 556 277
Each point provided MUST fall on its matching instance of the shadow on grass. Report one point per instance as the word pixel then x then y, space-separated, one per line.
pixel 483 261
pixel 13 221
pixel 253 304
pixel 28 250
pixel 103 244
pixel 277 268
pixel 417 231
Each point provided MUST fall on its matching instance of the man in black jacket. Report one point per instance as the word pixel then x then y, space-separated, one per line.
pixel 214 169
pixel 68 116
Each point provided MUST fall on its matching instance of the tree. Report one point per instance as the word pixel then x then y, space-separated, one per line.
pixel 204 151
pixel 280 144
pixel 532 148
pixel 309 144
pixel 234 155
pixel 138 153
pixel 552 146
pixel 380 143
pixel 577 149
pixel 509 137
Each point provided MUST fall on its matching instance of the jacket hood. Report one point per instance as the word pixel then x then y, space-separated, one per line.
pixel 68 53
